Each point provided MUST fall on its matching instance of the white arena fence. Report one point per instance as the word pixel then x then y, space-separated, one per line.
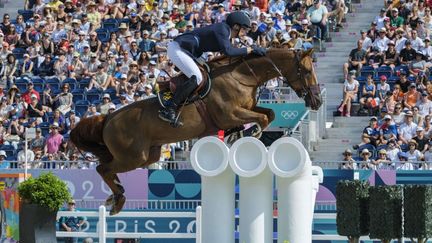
pixel 102 234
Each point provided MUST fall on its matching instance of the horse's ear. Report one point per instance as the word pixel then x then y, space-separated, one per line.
pixel 308 53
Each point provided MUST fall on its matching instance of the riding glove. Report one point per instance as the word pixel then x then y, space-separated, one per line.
pixel 260 51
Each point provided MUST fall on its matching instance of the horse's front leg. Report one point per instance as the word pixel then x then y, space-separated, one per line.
pixel 243 116
pixel 266 111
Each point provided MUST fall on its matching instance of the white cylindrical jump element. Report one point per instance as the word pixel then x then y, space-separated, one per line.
pixel 290 162
pixel 209 158
pixel 248 159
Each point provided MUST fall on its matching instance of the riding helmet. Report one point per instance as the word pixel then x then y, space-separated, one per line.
pixel 240 18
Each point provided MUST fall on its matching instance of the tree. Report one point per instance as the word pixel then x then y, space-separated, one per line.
pixel 418 212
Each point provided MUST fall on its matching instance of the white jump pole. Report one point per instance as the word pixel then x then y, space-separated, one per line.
pixel 290 162
pixel 248 159
pixel 209 158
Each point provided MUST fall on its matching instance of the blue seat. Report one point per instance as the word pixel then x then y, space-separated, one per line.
pixel 44 126
pixel 84 83
pixel 115 101
pixel 367 70
pixel 92 95
pixel 361 79
pixel 81 107
pixel 78 94
pixel 96 102
pixel 53 84
pixel 393 79
pixel 39 84
pixel 21 83
pixel 103 35
pixel 401 67
pixel 27 14
pixel 112 92
pixel 110 24
pixel 73 84
pixel 19 53
pixel 384 70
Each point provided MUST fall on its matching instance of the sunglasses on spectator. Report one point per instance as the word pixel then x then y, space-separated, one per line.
pixel 398 107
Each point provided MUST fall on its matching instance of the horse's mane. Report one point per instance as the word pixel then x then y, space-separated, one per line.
pixel 224 60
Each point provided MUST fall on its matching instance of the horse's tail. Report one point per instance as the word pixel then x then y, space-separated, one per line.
pixel 88 136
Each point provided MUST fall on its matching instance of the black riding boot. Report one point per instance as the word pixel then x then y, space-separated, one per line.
pixel 169 113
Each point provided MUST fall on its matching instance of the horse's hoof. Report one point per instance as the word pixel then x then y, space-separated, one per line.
pixel 118 204
pixel 109 201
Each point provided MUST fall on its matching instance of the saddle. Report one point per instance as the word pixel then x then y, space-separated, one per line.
pixel 168 88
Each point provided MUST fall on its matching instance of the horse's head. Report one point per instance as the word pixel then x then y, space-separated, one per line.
pixel 300 75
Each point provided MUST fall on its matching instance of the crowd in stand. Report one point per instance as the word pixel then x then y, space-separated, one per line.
pixel 389 76
pixel 61 61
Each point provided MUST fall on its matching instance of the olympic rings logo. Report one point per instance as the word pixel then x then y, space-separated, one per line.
pixel 289 115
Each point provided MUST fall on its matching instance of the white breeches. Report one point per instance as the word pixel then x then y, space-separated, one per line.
pixel 183 61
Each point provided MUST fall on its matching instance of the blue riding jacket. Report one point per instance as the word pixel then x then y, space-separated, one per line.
pixel 214 38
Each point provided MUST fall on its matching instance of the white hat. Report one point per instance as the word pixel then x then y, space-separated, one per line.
pixel 33 96
pixel 148 86
pixel 106 96
pixel 419 129
pixel 55 124
pixel 123 76
pixel 288 22
pixel 112 106
pixel 366 151
pixel 3 153
pixel 387 117
pixel 304 21
pixel 152 62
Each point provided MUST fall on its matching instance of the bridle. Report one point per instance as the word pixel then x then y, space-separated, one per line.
pixel 305 90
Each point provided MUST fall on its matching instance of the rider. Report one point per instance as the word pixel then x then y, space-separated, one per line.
pixel 189 46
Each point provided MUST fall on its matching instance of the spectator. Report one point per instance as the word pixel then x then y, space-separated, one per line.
pixel 34 109
pixel 421 140
pixel 388 130
pixel 64 99
pixel 402 84
pixel 37 144
pixel 417 118
pixel 366 162
pixel 407 130
pixel 368 99
pixel 71 224
pixel 411 97
pixel 92 111
pixel 402 162
pixel 413 153
pixel 407 54
pixel 317 15
pixel 392 150
pixel 14 132
pixel 350 163
pixel 400 40
pixel 379 20
pixel 382 162
pixel 53 140
pixel 72 120
pixel 381 41
pixel 104 106
pixel 356 59
pixel 148 92
pixel 390 56
pixel 370 134
pixel 3 163
pixel 396 20
pixel 424 105
pixel 350 90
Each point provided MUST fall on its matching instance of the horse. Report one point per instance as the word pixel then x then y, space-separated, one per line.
pixel 132 136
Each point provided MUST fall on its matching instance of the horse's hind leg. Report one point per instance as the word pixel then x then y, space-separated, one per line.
pixel 111 179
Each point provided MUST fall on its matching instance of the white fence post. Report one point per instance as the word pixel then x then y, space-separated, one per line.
pixel 198 225
pixel 102 224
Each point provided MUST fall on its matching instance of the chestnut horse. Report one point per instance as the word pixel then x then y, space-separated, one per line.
pixel 132 136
